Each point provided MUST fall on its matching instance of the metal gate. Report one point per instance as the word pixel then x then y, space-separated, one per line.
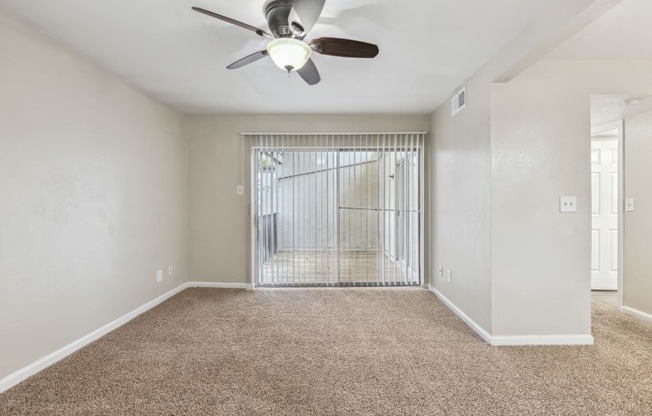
pixel 337 209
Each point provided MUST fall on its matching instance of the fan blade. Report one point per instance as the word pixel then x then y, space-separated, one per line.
pixel 309 73
pixel 248 60
pixel 344 48
pixel 259 32
pixel 304 15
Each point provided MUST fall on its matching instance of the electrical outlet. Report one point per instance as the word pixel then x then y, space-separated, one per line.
pixel 159 276
pixel 170 271
pixel 239 190
pixel 629 205
pixel 449 276
pixel 568 204
pixel 441 272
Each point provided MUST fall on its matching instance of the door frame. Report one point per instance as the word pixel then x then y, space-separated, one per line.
pixel 253 210
pixel 620 126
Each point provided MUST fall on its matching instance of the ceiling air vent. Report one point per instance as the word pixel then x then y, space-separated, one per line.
pixel 458 102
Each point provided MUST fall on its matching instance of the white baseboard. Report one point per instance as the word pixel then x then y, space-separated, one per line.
pixel 41 364
pixel 635 312
pixel 470 322
pixel 518 340
pixel 219 285
pixel 522 340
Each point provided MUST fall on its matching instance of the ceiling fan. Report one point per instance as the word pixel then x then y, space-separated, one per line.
pixel 289 22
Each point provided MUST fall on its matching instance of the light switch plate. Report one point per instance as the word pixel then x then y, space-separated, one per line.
pixel 239 190
pixel 449 276
pixel 629 205
pixel 159 276
pixel 568 204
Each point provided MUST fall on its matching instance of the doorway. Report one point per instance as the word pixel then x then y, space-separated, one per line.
pixel 333 210
pixel 627 119
pixel 605 210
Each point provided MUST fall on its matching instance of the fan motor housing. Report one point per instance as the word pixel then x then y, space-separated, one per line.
pixel 277 13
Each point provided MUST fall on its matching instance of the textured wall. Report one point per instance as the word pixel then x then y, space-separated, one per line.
pixel 541 132
pixel 93 190
pixel 219 161
pixel 638 227
pixel 460 175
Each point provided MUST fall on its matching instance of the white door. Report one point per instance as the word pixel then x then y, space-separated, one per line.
pixel 604 190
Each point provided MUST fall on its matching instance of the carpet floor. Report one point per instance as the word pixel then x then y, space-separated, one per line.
pixel 336 352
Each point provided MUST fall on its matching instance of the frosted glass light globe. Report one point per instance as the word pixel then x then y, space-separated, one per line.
pixel 289 54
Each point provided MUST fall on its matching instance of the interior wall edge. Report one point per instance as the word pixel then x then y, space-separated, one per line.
pixel 483 333
pixel 25 26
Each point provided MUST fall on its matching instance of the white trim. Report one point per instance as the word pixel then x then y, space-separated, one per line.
pixel 621 211
pixel 521 340
pixel 470 322
pixel 636 313
pixel 542 340
pixel 220 285
pixel 41 364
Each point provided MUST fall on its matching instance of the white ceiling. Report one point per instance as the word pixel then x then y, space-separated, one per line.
pixel 606 109
pixel 428 49
pixel 624 32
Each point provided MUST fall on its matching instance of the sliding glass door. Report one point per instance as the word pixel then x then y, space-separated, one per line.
pixel 331 210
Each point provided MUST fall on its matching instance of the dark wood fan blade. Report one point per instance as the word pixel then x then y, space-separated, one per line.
pixel 248 60
pixel 259 32
pixel 304 15
pixel 344 48
pixel 309 73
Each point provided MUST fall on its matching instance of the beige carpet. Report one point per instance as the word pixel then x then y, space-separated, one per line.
pixel 336 352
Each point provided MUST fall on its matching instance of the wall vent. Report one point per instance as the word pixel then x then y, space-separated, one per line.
pixel 458 102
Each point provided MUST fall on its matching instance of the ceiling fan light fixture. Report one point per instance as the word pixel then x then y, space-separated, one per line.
pixel 289 54
pixel 289 22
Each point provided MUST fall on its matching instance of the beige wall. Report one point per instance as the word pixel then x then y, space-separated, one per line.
pixel 219 161
pixel 459 162
pixel 541 151
pixel 497 170
pixel 460 174
pixel 637 279
pixel 93 190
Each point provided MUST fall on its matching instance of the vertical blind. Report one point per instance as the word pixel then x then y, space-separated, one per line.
pixel 337 209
